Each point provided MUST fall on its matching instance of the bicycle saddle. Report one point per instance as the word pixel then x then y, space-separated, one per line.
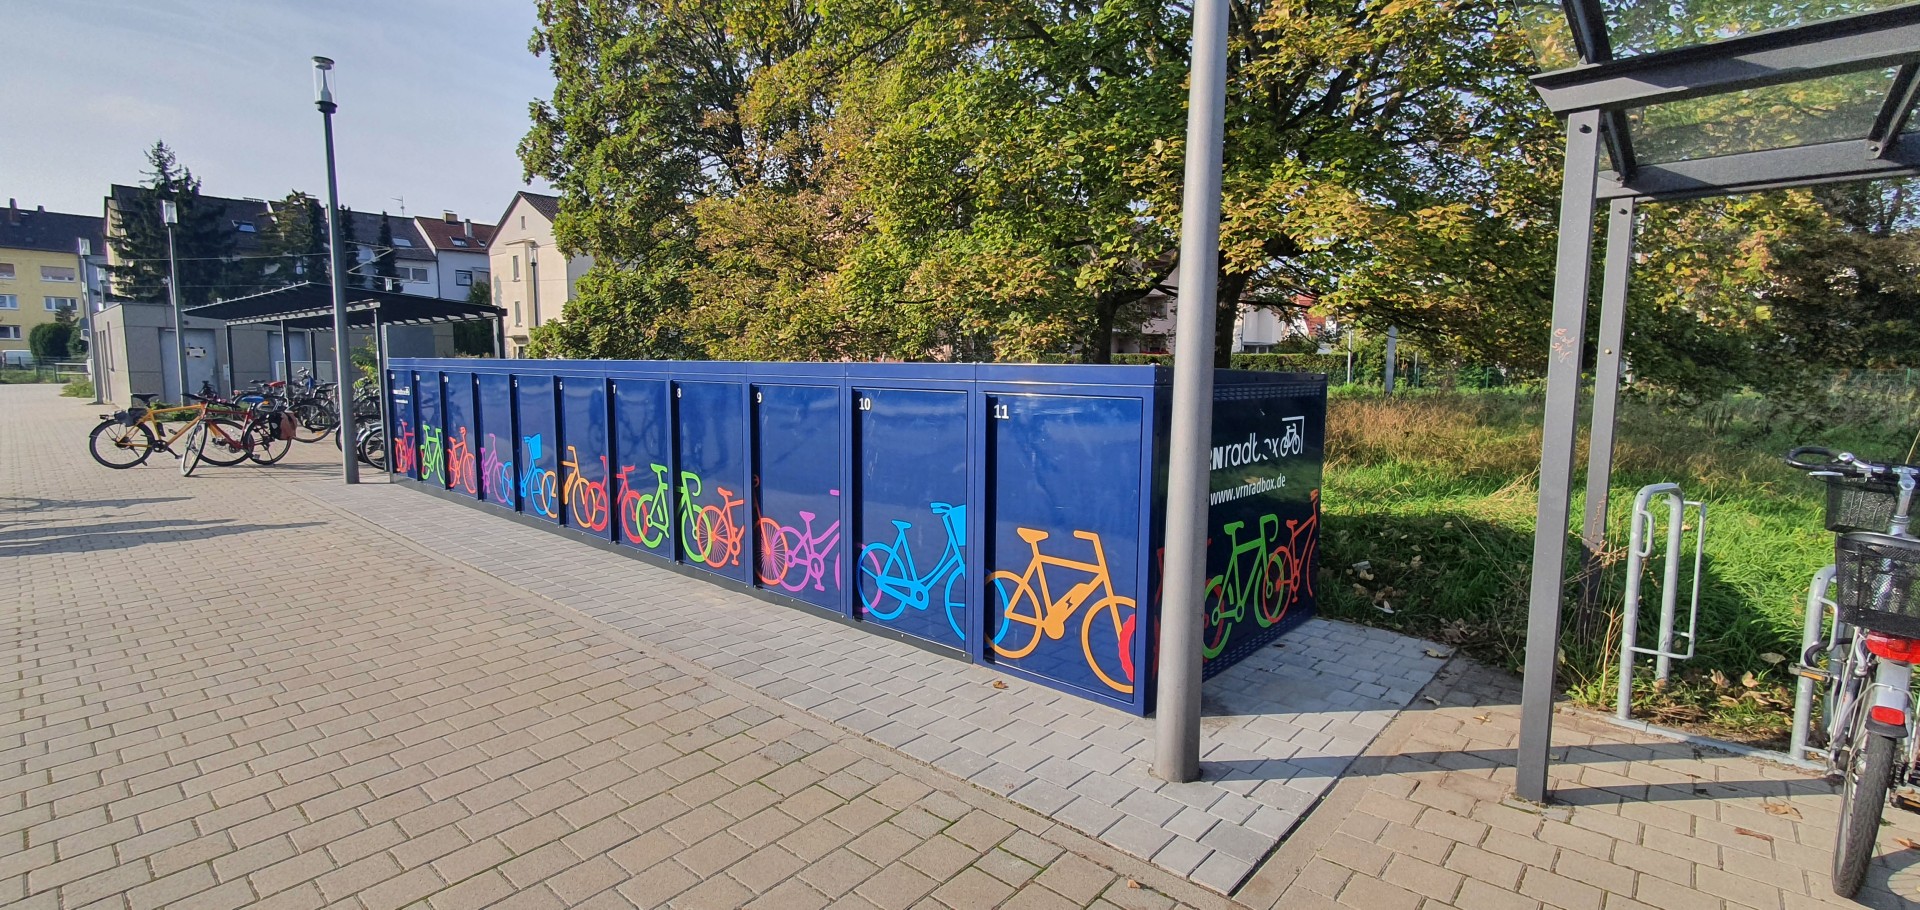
pixel 146 397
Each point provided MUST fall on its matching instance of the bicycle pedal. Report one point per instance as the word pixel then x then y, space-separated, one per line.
pixel 1814 673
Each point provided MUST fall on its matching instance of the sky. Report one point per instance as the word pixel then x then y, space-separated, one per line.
pixel 433 99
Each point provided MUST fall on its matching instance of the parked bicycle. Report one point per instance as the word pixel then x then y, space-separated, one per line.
pixel 208 431
pixel 1866 661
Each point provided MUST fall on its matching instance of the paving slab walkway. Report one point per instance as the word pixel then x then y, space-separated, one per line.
pixel 215 693
pixel 1281 726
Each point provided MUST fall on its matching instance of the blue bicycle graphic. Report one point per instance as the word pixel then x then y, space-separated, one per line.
pixel 889 583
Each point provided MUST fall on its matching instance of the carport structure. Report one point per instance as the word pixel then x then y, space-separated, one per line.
pixel 309 307
pixel 1779 101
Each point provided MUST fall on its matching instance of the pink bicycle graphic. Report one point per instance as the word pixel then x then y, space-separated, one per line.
pixel 794 558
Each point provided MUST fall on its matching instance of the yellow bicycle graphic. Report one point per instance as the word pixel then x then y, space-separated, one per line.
pixel 1029 610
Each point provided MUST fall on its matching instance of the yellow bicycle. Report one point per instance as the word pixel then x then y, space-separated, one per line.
pixel 127 438
pixel 1030 610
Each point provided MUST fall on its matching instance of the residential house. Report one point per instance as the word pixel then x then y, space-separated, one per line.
pixel 460 251
pixel 42 271
pixel 532 279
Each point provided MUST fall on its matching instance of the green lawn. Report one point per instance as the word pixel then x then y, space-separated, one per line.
pixel 1430 503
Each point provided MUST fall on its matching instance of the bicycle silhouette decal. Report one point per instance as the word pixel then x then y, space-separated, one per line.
pixel 496 474
pixel 645 518
pixel 798 557
pixel 432 456
pixel 1030 610
pixel 1265 575
pixel 586 500
pixel 539 487
pixel 709 533
pixel 461 464
pixel 403 449
pixel 889 583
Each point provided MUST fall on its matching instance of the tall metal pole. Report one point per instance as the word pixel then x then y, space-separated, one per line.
pixel 1176 755
pixel 1572 276
pixel 83 249
pixel 1392 365
pixel 169 214
pixel 342 343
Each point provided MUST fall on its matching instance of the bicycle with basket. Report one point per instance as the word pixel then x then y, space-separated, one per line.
pixel 1864 662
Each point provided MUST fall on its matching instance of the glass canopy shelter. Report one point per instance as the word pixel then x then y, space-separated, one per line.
pixel 1666 101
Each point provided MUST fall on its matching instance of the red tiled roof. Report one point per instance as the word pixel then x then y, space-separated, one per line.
pixel 440 233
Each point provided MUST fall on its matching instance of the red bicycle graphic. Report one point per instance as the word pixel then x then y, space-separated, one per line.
pixel 460 464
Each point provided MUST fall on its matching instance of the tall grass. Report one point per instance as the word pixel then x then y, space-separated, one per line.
pixel 1430 501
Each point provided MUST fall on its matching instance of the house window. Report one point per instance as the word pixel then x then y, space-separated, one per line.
pixel 6 270
pixel 412 275
pixel 244 227
pixel 56 304
pixel 9 302
pixel 523 222
pixel 402 241
pixel 516 313
pixel 463 277
pixel 56 273
pixel 9 333
pixel 460 241
pixel 516 268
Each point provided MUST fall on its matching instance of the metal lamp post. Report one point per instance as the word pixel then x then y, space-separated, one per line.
pixel 342 347
pixel 170 216
pixel 82 249
pixel 1176 755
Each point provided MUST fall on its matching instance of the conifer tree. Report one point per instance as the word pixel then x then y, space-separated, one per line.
pixel 203 240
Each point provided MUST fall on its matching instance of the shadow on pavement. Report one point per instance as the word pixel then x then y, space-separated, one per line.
pixel 94 539
pixel 34 504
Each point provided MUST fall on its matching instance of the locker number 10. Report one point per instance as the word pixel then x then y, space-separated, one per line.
pixel 866 404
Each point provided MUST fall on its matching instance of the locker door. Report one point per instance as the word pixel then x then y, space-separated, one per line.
pixel 911 572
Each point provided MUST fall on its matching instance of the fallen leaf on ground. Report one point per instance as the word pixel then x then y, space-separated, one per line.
pixel 1780 809
pixel 1384 607
pixel 1430 700
pixel 1133 884
pixel 1443 655
pixel 998 684
pixel 1748 680
pixel 1752 833
pixel 1483 718
pixel 1772 658
pixel 1910 845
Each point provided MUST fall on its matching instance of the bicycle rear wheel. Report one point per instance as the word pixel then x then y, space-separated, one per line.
pixel 196 443
pixel 316 421
pixel 118 445
pixel 1863 797
pixel 224 442
pixel 265 444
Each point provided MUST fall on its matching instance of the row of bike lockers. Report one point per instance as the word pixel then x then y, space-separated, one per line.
pixel 1009 515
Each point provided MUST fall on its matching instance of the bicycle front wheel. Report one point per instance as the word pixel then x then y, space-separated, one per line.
pixel 118 445
pixel 1863 797
pixel 265 444
pixel 195 444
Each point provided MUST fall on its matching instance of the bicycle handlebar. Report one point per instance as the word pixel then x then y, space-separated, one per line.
pixel 1845 463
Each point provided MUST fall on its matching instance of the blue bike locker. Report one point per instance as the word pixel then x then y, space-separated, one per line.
pixel 462 433
pixel 401 422
pixel 430 449
pixel 644 483
pixel 1007 515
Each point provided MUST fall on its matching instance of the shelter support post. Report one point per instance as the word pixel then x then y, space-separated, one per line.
pixel 1614 282
pixel 499 336
pixel 380 369
pixel 226 333
pixel 1571 280
pixel 286 356
pixel 313 357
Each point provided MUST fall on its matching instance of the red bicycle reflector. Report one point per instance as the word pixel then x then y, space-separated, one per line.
pixel 1892 717
pixel 1894 647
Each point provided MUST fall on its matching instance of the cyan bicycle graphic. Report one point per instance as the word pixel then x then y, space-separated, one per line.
pixel 890 583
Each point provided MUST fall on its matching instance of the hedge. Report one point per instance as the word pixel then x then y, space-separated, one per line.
pixel 1330 364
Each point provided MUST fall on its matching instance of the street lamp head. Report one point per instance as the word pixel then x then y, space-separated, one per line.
pixel 169 212
pixel 322 89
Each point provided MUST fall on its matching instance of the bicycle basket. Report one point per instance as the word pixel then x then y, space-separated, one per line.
pixel 285 428
pixel 1854 505
pixel 1878 582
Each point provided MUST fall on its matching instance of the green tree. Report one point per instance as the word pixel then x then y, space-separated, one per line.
pixel 297 240
pixel 386 270
pixel 203 239
pixel 474 337
pixel 54 340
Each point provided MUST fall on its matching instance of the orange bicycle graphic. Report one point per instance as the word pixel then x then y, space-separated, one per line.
pixel 403 450
pixel 586 500
pixel 1029 610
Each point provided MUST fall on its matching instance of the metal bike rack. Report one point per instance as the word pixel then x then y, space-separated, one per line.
pixel 1639 548
pixel 1819 605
